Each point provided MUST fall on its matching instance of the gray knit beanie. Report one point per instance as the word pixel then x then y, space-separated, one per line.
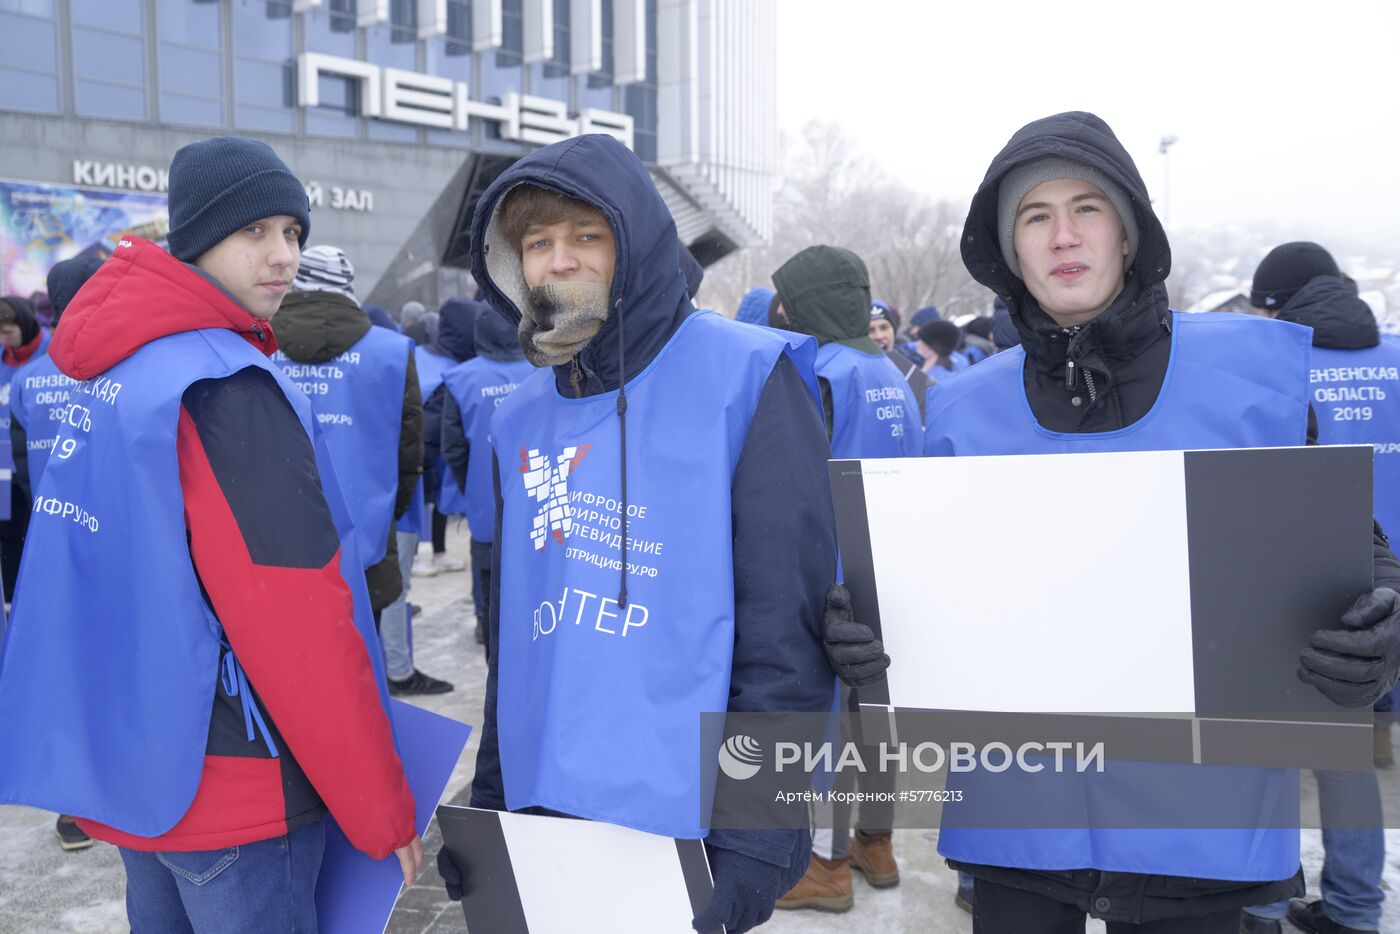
pixel 1017 183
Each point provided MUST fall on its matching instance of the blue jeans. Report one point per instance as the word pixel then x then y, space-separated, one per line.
pixel 393 621
pixel 265 886
pixel 1353 855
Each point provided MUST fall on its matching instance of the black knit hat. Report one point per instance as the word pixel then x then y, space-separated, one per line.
pixel 220 185
pixel 1287 269
pixel 942 337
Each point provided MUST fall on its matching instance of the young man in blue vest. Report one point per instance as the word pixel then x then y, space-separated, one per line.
pixel 363 385
pixel 192 618
pixel 1356 395
pixel 644 472
pixel 474 390
pixel 38 399
pixel 1062 230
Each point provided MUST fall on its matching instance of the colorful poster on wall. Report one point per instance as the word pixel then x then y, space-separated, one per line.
pixel 41 224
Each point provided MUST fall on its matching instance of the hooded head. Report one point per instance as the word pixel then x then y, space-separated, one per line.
pixel 1287 268
pixel 1081 230
pixel 496 338
pixel 456 329
pixel 380 318
pixel 1301 282
pixel 941 337
pixel 825 291
pixel 66 278
pixel 18 325
pixel 648 293
pixel 753 308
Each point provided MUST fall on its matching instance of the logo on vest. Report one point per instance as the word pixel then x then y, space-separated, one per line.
pixel 740 757
pixel 547 483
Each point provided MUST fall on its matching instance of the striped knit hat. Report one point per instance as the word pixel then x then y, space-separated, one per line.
pixel 325 269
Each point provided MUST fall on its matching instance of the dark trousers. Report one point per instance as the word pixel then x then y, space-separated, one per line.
pixel 481 579
pixel 439 532
pixel 1003 910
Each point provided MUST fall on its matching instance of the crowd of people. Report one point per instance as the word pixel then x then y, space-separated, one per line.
pixel 225 465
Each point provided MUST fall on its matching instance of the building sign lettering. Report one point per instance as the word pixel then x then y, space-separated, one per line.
pixel 427 100
pixel 147 178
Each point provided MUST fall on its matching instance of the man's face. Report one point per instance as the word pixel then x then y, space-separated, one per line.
pixel 1071 247
pixel 577 250
pixel 11 335
pixel 882 333
pixel 257 264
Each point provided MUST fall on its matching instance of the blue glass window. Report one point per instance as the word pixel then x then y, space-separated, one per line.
pixel 109 59
pixel 551 78
pixel 191 62
pixel 639 100
pixel 395 46
pixel 451 57
pixel 596 89
pixel 29 73
pixel 502 70
pixel 331 30
pixel 263 71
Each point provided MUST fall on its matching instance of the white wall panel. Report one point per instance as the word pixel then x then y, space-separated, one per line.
pixel 486 25
pixel 538 22
pixel 585 36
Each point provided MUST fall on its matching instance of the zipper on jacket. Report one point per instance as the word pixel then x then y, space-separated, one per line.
pixel 576 378
pixel 1089 381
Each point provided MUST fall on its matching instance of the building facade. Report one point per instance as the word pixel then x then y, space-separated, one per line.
pixel 396 115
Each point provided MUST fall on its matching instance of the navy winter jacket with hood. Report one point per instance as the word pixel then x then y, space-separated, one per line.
pixel 784 528
pixel 496 339
pixel 455 340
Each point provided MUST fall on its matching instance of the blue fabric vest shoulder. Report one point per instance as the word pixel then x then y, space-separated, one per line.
pixel 874 414
pixel 38 401
pixel 1233 381
pixel 7 375
pixel 110 721
pixel 1356 395
pixel 479 386
pixel 358 400
pixel 585 685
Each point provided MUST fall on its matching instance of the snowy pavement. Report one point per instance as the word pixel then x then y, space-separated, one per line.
pixel 43 889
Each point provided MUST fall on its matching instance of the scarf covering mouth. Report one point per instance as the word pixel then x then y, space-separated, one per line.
pixel 560 318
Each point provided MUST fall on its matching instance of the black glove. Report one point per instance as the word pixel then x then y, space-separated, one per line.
pixel 451 875
pixel 857 657
pixel 1357 665
pixel 745 892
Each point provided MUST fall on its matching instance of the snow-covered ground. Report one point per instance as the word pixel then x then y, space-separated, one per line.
pixel 43 889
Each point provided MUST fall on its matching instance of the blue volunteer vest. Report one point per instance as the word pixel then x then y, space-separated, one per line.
pixel 108 672
pixel 358 400
pixel 479 386
pixel 7 374
pixel 1233 381
pixel 39 395
pixel 431 368
pixel 873 411
pixel 1356 395
pixel 598 705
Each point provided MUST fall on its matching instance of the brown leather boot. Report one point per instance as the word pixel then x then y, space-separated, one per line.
pixel 825 886
pixel 874 856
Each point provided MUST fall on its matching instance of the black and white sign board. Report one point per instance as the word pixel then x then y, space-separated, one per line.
pixel 524 874
pixel 1157 584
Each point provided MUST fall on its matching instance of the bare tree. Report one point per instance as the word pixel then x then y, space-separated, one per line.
pixel 830 193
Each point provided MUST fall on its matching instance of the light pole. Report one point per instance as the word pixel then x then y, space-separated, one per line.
pixel 1163 147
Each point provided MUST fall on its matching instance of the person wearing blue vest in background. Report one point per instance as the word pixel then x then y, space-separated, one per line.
pixel 363 386
pixel 1063 230
pixel 191 615
pixel 644 473
pixel 753 307
pixel 977 339
pixel 38 398
pixel 23 341
pixel 869 412
pixel 938 347
pixel 451 341
pixel 1355 392
pixel 884 325
pixel 475 390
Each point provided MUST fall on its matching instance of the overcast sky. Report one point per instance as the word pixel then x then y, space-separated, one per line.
pixel 1283 110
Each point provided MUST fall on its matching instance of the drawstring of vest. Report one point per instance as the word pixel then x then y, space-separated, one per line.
pixel 236 685
pixel 622 416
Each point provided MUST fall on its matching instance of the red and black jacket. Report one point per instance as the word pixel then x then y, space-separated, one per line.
pixel 266 552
